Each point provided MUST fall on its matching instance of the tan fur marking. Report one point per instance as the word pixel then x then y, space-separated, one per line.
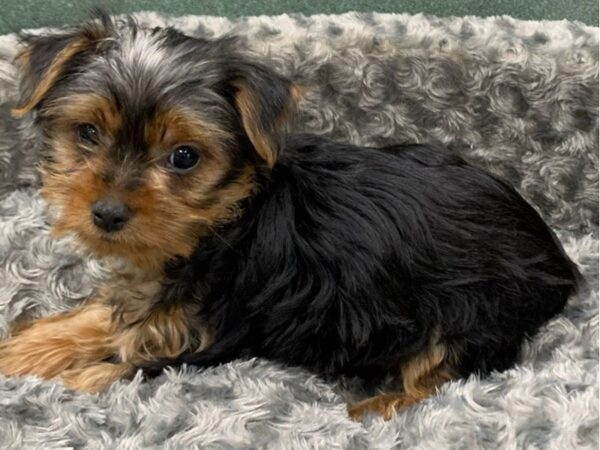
pixel 86 108
pixel 161 334
pixel 51 76
pixel 173 127
pixel 148 330
pixel 96 377
pixel 263 144
pixel 124 322
pixel 297 93
pixel 263 140
pixel 51 345
pixel 89 37
pixel 421 376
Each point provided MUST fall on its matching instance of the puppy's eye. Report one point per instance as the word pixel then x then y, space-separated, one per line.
pixel 183 158
pixel 88 133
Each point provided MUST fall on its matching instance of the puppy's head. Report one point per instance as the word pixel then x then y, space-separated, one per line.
pixel 154 138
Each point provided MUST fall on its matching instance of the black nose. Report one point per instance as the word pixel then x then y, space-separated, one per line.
pixel 110 215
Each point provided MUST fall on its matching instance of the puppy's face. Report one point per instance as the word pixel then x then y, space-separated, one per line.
pixel 154 138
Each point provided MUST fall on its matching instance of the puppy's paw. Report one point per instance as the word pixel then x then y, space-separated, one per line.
pixel 51 345
pixel 96 377
pixel 385 405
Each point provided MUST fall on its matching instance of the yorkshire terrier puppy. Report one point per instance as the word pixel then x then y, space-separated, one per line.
pixel 171 153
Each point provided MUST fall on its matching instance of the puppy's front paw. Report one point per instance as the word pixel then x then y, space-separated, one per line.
pixel 385 405
pixel 57 343
pixel 30 354
pixel 96 377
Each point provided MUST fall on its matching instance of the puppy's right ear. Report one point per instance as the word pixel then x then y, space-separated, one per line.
pixel 45 60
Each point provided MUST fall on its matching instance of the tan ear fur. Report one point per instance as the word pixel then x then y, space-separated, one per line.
pixel 45 58
pixel 264 137
pixel 51 75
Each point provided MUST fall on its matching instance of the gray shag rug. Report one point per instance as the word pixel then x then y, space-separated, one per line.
pixel 519 98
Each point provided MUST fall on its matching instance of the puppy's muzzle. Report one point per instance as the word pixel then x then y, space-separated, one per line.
pixel 110 215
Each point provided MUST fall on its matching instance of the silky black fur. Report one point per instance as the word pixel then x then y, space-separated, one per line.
pixel 350 259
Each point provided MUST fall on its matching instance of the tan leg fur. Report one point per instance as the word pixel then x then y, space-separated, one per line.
pixel 104 340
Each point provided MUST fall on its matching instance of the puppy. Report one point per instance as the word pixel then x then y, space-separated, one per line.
pixel 171 153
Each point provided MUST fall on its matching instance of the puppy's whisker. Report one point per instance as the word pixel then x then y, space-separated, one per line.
pixel 90 166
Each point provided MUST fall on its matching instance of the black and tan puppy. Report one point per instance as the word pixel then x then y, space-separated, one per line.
pixel 170 153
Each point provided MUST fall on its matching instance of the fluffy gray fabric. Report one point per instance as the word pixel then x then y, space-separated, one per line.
pixel 519 98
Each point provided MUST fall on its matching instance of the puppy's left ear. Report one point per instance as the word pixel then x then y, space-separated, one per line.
pixel 264 101
pixel 47 59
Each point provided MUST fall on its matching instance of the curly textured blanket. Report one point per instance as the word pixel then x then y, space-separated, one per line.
pixel 519 98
